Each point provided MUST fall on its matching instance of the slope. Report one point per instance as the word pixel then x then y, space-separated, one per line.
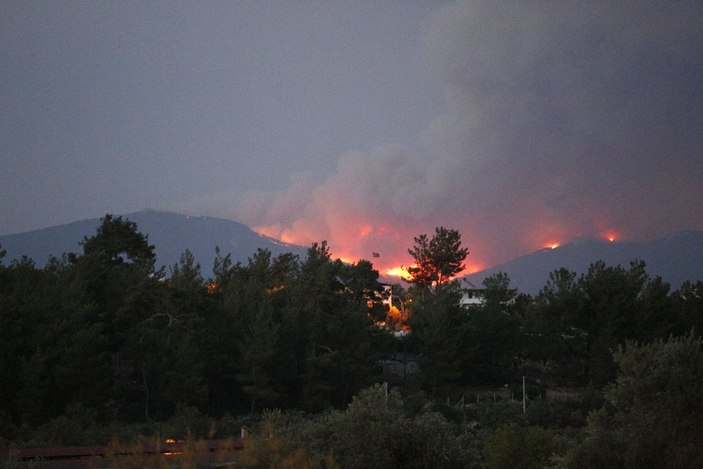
pixel 170 233
pixel 676 258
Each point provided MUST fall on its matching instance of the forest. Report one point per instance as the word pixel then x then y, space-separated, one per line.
pixel 603 369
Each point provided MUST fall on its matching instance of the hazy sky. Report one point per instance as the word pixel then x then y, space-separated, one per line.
pixel 360 122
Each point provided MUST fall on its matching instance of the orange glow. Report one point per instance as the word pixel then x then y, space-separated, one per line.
pixel 268 231
pixel 211 289
pixel 345 259
pixel 275 289
pixel 471 268
pixel 611 236
pixel 400 272
pixel 364 231
pixel 354 236
pixel 395 319
pixel 551 245
pixel 170 441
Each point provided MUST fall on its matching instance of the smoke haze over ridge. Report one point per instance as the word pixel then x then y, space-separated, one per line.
pixel 560 121
pixel 518 124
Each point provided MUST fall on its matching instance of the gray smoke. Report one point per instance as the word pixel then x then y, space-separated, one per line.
pixel 560 120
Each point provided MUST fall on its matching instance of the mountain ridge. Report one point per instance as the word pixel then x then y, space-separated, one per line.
pixel 199 234
pixel 675 258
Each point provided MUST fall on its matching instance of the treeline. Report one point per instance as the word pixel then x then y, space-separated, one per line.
pixel 105 337
pixel 107 331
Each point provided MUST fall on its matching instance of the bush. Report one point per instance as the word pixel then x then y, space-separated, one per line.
pixel 517 447
pixel 188 422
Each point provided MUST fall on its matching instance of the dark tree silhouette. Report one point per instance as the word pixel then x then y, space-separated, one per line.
pixel 438 259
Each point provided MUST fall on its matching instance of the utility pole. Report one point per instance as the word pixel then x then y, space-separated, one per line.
pixel 523 394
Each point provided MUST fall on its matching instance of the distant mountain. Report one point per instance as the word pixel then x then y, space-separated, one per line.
pixel 676 258
pixel 170 233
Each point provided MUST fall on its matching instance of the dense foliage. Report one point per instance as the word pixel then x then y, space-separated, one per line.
pixel 95 343
pixel 437 259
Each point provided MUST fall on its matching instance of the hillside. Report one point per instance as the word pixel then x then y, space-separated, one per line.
pixel 170 233
pixel 676 258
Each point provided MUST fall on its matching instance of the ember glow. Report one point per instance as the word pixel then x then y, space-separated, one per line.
pixel 400 272
pixel 396 319
pixel 383 240
pixel 611 236
pixel 345 259
pixel 471 268
pixel 385 243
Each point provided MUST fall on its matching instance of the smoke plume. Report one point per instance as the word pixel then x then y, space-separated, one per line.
pixel 560 120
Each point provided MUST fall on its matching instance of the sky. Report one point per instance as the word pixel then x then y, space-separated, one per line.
pixel 365 124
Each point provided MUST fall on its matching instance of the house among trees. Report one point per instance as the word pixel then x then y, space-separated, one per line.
pixel 495 290
pixel 472 297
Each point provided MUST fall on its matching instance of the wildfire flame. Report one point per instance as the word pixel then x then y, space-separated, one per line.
pixel 378 239
pixel 472 268
pixel 611 236
pixel 400 272
pixel 397 319
pixel 345 259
